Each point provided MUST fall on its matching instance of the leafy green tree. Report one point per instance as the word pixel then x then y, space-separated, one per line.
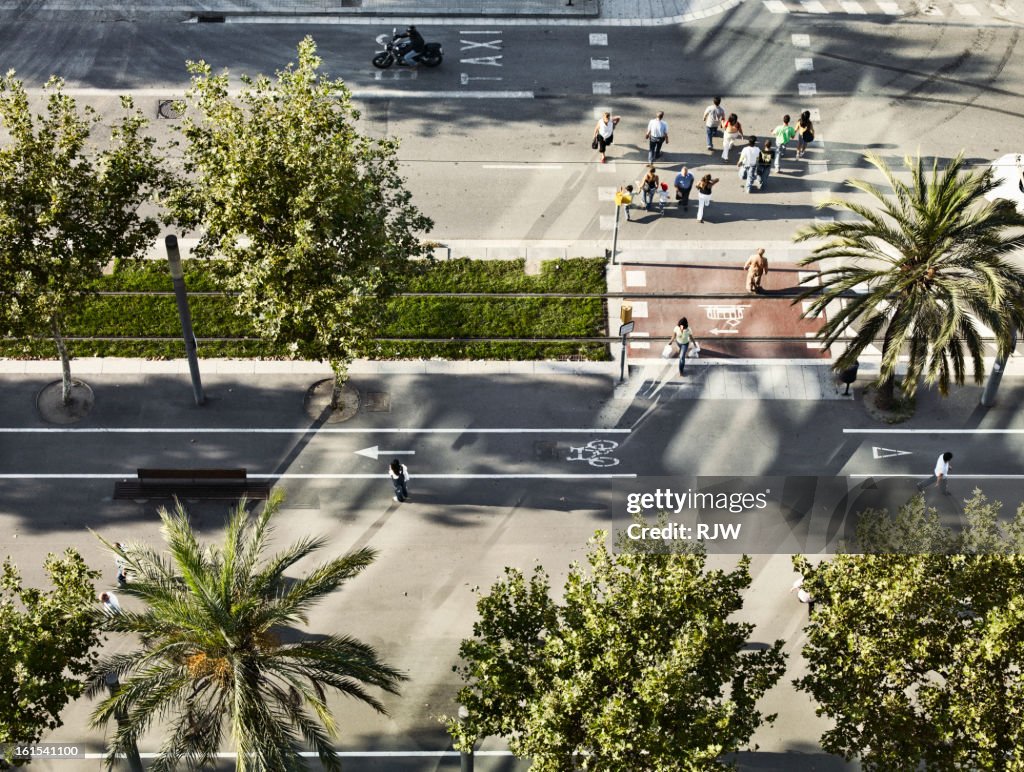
pixel 214 658
pixel 917 659
pixel 931 260
pixel 67 209
pixel 638 668
pixel 917 529
pixel 312 218
pixel 47 642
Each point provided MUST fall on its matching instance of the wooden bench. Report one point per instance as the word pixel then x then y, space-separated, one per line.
pixel 192 484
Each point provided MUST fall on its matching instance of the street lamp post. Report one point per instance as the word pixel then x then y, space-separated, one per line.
pixel 988 397
pixel 178 281
pixel 132 751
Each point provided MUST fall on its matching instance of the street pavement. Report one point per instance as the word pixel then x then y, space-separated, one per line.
pixel 481 499
pixel 496 147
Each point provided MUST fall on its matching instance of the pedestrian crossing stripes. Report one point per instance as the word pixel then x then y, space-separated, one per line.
pixel 890 8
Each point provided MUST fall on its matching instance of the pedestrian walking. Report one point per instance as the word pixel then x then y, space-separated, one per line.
pixel 683 184
pixel 604 134
pixel 400 479
pixel 732 133
pixel 111 605
pixel 747 163
pixel 756 268
pixel 704 194
pixel 803 596
pixel 784 134
pixel 624 199
pixel 120 564
pixel 714 116
pixel 683 337
pixel 657 135
pixel 764 163
pixel 663 197
pixel 940 475
pixel 804 133
pixel 649 186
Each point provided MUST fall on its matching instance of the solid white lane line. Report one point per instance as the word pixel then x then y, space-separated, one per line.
pixel 299 430
pixel 337 476
pixel 933 431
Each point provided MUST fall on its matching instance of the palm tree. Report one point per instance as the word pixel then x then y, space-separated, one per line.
pixel 932 257
pixel 212 658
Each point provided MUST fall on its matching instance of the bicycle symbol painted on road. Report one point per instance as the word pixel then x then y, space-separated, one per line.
pixel 595 453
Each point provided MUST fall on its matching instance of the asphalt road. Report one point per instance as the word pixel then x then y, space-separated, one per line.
pixel 415 603
pixel 518 165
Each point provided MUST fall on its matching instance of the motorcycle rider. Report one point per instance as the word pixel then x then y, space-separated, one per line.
pixel 412 47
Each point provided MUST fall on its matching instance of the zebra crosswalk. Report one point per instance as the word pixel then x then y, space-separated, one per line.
pixel 977 10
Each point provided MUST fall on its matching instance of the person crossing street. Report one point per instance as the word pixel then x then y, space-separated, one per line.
pixel 657 135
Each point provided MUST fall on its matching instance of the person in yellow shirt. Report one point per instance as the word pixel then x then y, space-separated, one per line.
pixel 624 198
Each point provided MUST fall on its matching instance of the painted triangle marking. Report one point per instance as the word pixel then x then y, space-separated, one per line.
pixel 888 452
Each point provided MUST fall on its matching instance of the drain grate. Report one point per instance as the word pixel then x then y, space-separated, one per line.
pixel 377 402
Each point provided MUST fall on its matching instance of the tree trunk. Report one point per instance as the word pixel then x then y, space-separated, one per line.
pixel 886 397
pixel 65 362
pixel 340 376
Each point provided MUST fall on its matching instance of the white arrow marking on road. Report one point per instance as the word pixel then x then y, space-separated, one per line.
pixel 374 452
pixel 888 452
pixel 717 331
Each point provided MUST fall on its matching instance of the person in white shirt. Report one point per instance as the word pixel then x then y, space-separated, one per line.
pixel 111 604
pixel 940 474
pixel 657 135
pixel 749 157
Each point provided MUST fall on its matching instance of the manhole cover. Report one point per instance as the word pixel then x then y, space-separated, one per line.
pixel 168 109
pixel 376 402
pixel 545 449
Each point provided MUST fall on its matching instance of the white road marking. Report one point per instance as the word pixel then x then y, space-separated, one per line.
pixel 332 476
pixel 807 89
pixel 952 477
pixel 803 64
pixel 606 222
pixel 966 9
pixel 636 278
pixel 851 6
pixel 600 64
pixel 598 39
pixel 640 309
pixel 801 41
pixel 888 453
pixel 606 194
pixel 815 114
pixel 374 452
pixel 933 431
pixel 813 6
pixel 343 754
pixel 169 93
pixel 303 430
pixel 890 8
pixel 776 6
pixel 603 88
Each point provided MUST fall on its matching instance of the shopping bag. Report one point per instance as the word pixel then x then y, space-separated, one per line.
pixel 668 352
pixel 694 351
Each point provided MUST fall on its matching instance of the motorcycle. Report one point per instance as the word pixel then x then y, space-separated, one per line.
pixel 431 56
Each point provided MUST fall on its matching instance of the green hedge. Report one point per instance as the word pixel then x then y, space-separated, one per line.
pixel 412 317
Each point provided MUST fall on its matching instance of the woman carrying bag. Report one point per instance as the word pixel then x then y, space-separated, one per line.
pixel 682 336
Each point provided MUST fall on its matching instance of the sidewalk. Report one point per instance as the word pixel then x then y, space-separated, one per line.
pixel 425 12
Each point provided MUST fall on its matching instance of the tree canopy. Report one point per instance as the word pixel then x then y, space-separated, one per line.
pixel 217 658
pixel 917 659
pixel 638 668
pixel 312 217
pixel 68 207
pixel 47 642
pixel 924 269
